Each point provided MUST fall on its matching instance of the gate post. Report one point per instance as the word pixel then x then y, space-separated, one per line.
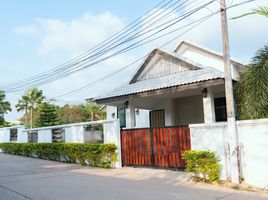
pixel 152 146
pixel 111 134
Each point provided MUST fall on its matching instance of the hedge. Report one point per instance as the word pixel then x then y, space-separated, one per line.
pixel 97 155
pixel 204 165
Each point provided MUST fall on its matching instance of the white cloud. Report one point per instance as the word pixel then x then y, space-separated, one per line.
pixel 70 38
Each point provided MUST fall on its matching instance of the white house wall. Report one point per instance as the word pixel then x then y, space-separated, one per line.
pixel 111 112
pixel 156 104
pixel 206 59
pixel 142 118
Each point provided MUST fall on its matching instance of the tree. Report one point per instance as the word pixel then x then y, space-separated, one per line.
pixel 47 115
pixel 72 114
pixel 252 89
pixel 94 112
pixel 30 102
pixel 4 107
pixel 260 11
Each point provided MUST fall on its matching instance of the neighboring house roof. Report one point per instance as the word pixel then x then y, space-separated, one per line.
pixel 167 81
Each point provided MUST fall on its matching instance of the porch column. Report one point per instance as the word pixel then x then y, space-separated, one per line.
pixel 130 116
pixel 208 106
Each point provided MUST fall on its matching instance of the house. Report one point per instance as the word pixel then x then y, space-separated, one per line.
pixel 173 89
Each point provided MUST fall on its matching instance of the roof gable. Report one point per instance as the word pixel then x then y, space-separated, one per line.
pixel 207 57
pixel 160 63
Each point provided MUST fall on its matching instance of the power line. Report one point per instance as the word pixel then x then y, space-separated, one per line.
pixel 125 49
pixel 131 64
pixel 39 83
pixel 125 31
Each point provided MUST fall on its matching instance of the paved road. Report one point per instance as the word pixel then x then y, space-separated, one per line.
pixel 26 178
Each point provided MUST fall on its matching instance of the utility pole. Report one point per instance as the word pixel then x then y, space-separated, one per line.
pixel 232 150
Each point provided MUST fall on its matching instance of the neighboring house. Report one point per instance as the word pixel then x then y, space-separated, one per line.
pixel 172 89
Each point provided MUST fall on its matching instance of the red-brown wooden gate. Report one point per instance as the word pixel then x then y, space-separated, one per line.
pixel 156 147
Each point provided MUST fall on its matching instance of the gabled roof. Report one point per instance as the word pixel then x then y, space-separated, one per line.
pixel 165 54
pixel 162 82
pixel 208 51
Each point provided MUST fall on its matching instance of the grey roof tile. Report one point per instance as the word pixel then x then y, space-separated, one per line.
pixel 165 81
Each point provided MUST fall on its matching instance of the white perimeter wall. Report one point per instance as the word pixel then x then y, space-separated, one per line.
pixel 253 139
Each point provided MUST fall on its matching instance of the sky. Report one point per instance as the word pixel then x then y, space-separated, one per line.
pixel 36 36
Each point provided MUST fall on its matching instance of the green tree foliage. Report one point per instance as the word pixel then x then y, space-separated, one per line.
pixel 47 115
pixel 72 114
pixel 259 11
pixel 94 111
pixel 30 102
pixel 252 89
pixel 80 113
pixel 4 107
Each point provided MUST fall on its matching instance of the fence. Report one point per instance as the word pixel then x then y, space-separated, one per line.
pixel 253 143
pixel 71 133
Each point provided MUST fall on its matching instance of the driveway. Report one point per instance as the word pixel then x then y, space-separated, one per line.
pixel 26 178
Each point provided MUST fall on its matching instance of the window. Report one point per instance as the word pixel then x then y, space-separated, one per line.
pixel 58 135
pixel 32 136
pixel 121 113
pixel 220 109
pixel 13 135
pixel 157 118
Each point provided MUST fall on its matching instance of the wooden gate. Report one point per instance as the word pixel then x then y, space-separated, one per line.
pixel 155 147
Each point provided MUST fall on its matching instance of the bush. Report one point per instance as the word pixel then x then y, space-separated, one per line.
pixel 97 155
pixel 204 165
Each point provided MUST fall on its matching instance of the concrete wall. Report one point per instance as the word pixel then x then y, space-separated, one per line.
pixel 210 137
pixel 253 136
pixel 253 139
pixel 5 133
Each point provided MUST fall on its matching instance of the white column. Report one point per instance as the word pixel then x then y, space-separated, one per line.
pixel 77 134
pixel 22 135
pixel 130 116
pixel 111 134
pixel 208 106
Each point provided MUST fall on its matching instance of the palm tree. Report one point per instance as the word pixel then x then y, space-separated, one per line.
pixel 260 11
pixel 4 107
pixel 29 102
pixel 95 112
pixel 252 88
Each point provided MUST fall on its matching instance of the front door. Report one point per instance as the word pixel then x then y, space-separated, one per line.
pixel 157 118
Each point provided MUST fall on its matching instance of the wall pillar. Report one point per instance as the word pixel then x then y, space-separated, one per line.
pixel 208 107
pixel 111 135
pixel 130 116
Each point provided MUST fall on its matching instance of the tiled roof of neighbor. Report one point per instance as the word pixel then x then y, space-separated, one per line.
pixel 165 81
